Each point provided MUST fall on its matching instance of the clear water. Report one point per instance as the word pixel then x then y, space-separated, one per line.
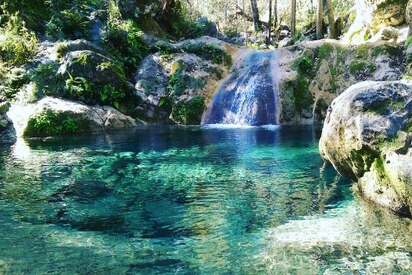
pixel 189 201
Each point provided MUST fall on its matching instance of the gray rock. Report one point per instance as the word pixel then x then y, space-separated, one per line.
pixel 367 136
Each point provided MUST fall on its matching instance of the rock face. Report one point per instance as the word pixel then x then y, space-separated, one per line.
pixel 52 117
pixel 314 73
pixel 176 83
pixel 7 132
pixel 367 136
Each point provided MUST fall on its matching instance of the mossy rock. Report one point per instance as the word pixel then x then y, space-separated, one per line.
pixel 51 123
pixel 189 112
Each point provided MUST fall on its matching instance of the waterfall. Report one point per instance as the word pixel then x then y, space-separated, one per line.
pixel 249 95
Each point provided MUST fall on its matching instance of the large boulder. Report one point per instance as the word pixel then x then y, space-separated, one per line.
pixel 53 117
pixel 367 136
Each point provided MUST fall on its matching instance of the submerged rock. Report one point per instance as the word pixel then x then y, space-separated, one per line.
pixel 368 136
pixel 53 117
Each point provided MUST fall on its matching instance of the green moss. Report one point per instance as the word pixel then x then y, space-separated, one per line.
pixel 50 123
pixel 189 112
pixel 361 67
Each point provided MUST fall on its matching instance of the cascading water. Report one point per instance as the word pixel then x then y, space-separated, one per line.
pixel 249 95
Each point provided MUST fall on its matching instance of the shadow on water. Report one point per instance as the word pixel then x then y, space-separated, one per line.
pixel 187 200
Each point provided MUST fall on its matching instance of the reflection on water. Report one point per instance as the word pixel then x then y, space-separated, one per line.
pixel 189 200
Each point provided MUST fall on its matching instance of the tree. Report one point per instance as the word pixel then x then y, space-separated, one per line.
pixel 319 20
pixel 276 13
pixel 331 18
pixel 255 15
pixel 270 22
pixel 293 18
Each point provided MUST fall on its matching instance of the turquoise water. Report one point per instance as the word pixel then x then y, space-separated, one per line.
pixel 189 201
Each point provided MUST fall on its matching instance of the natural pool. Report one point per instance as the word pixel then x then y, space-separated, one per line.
pixel 189 201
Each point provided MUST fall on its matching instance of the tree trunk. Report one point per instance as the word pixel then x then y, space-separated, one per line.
pixel 409 16
pixel 276 13
pixel 319 20
pixel 331 18
pixel 270 22
pixel 255 15
pixel 293 18
pixel 245 23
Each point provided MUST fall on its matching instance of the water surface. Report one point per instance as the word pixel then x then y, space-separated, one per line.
pixel 189 201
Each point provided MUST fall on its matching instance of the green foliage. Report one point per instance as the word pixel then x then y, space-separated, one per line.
pixel 112 95
pixel 124 40
pixel 19 45
pixel 189 112
pixel 80 88
pixel 50 123
pixel 83 89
